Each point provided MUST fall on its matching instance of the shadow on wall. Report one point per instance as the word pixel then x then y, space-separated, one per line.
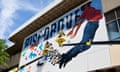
pixel 112 69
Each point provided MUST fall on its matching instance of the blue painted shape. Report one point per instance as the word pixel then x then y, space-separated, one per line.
pixel 22 70
pixel 32 55
pixel 40 46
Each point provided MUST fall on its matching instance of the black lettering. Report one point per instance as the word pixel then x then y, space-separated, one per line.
pixel 40 35
pixel 34 38
pixel 46 33
pixel 53 29
pixel 30 40
pixel 26 43
pixel 76 14
pixel 61 24
pixel 69 21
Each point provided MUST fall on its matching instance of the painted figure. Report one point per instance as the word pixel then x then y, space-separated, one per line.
pixel 92 15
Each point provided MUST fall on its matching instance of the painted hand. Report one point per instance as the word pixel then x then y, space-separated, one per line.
pixel 64 60
pixel 72 36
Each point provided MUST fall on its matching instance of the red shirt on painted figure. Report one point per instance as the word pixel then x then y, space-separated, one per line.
pixel 91 14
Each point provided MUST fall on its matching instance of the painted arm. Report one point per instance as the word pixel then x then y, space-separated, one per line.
pixel 76 25
pixel 77 28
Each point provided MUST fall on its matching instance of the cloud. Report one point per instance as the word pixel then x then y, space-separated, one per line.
pixel 8 12
pixel 28 6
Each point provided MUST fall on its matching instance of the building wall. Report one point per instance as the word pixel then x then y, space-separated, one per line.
pixel 95 58
pixel 115 54
pixel 114 49
pixel 110 4
pixel 14 60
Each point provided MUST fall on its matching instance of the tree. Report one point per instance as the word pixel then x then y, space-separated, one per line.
pixel 4 56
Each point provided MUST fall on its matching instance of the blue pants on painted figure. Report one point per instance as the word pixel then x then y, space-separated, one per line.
pixel 89 33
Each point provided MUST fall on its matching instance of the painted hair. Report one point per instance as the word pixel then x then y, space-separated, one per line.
pixel 83 7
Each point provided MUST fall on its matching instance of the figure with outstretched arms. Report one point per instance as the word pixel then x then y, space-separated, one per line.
pixel 92 15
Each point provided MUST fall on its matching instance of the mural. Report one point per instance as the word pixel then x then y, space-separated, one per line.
pixel 92 15
pixel 83 24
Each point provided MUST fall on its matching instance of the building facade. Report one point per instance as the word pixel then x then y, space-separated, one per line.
pixel 107 59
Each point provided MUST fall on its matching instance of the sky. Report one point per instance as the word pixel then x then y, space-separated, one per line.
pixel 14 13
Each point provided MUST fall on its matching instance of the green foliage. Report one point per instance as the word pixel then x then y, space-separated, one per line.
pixel 4 56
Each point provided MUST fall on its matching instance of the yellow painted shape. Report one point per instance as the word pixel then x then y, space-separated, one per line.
pixel 88 43
pixel 60 41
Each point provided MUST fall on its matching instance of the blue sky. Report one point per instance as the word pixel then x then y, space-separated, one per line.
pixel 14 13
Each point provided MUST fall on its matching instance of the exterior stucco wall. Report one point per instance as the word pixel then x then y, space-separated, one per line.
pixel 115 54
pixel 110 4
pixel 114 49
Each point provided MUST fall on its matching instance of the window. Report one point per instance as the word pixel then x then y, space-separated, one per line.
pixel 118 12
pixel 113 24
pixel 119 22
pixel 110 16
